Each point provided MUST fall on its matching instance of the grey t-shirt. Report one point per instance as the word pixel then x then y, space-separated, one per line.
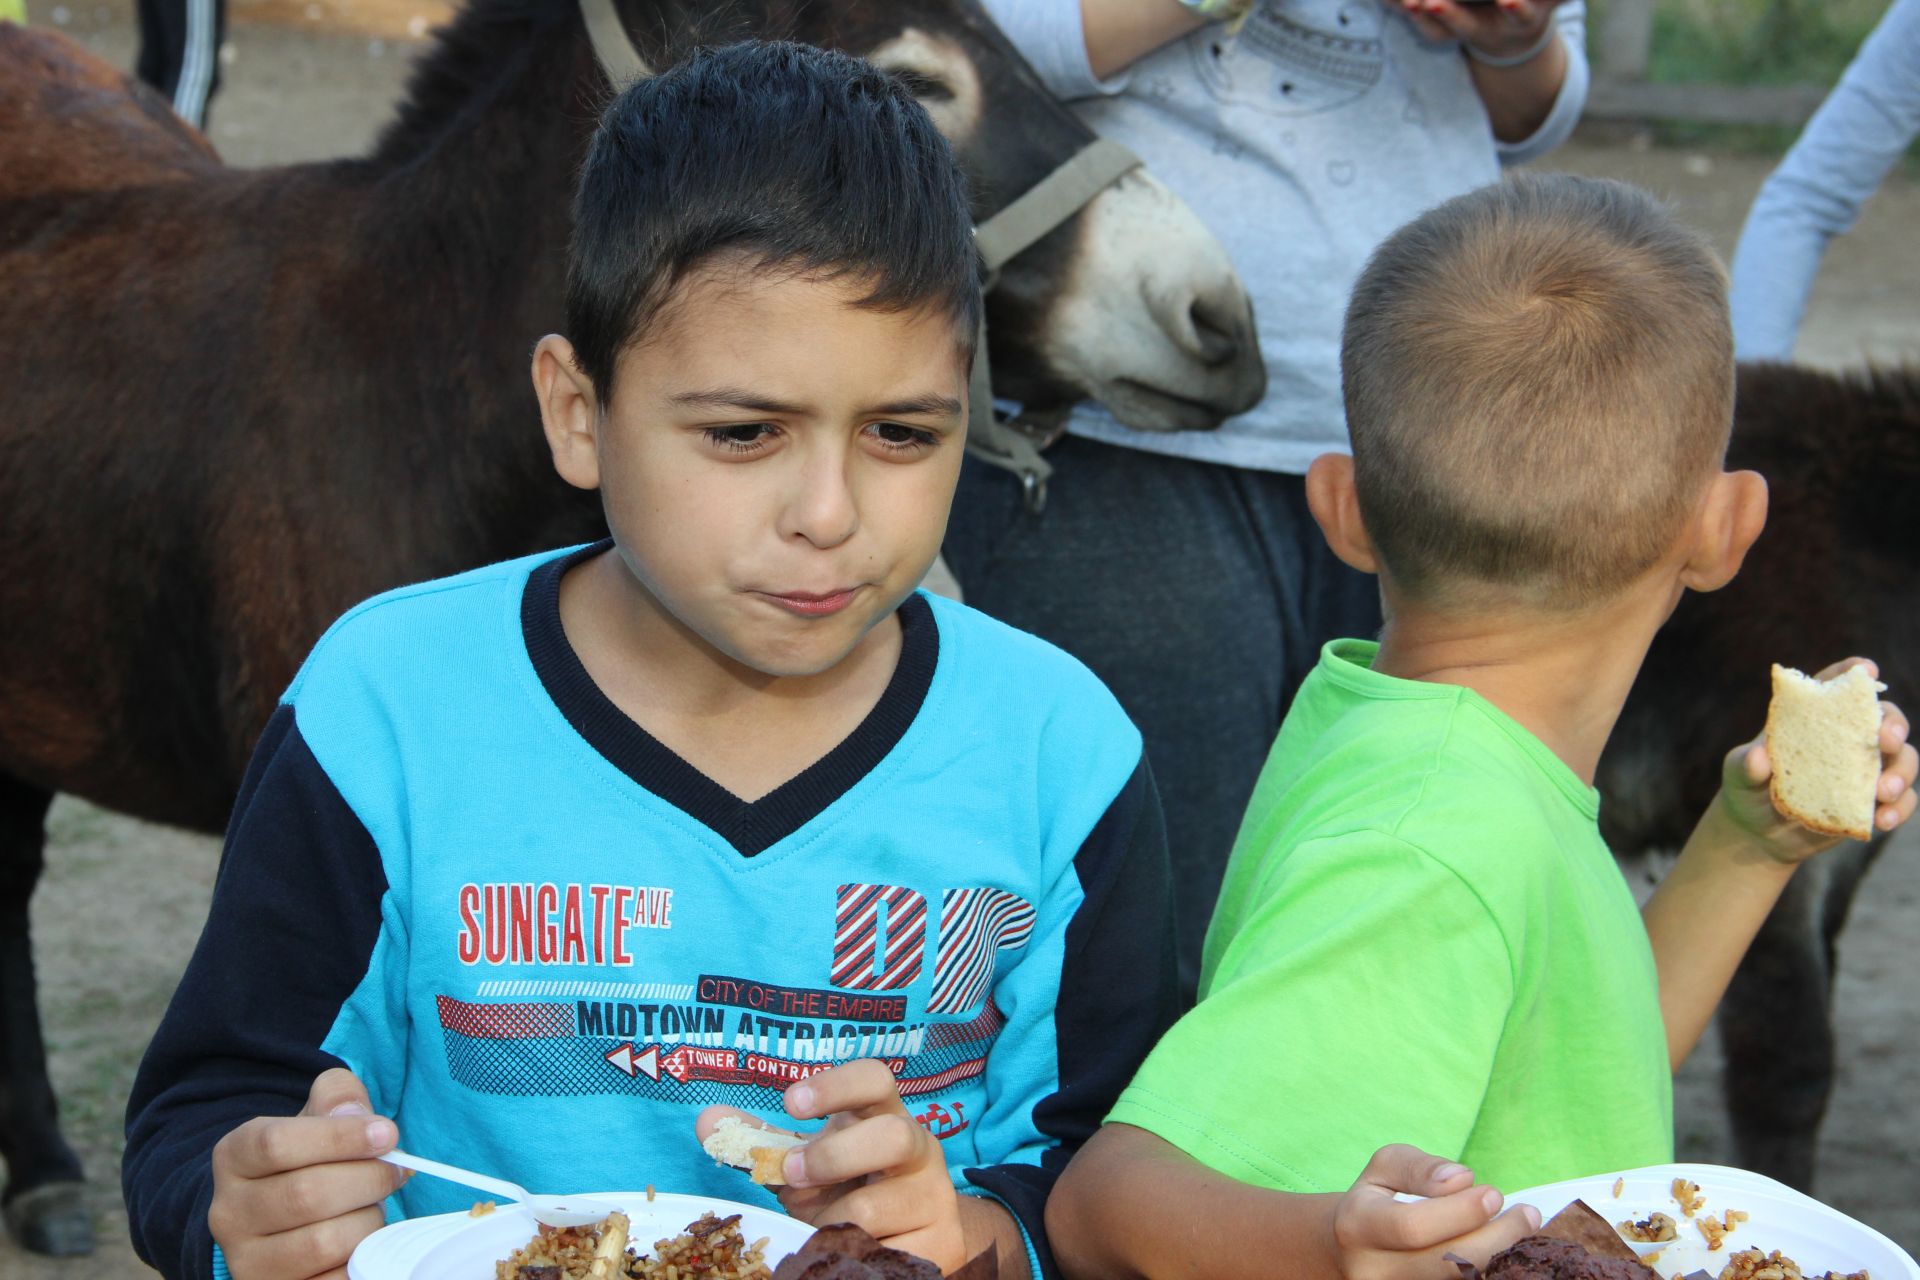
pixel 1302 142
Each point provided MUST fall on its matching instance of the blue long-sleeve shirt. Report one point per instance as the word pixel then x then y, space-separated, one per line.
pixel 1842 156
pixel 456 868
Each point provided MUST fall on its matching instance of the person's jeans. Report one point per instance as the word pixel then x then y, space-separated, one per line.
pixel 1199 593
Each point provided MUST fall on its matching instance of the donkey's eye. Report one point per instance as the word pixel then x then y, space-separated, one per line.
pixel 925 87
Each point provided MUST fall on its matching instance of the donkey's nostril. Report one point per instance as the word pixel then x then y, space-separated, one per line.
pixel 1213 333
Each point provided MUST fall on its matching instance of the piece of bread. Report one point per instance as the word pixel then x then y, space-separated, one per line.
pixel 762 1152
pixel 1824 740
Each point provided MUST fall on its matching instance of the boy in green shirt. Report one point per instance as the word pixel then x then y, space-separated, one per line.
pixel 1421 937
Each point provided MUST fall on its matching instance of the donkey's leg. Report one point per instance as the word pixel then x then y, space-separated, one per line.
pixel 44 1202
pixel 1776 1026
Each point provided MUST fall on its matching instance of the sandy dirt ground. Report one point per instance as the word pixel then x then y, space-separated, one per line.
pixel 122 901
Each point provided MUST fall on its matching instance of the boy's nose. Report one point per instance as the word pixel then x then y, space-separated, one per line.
pixel 821 509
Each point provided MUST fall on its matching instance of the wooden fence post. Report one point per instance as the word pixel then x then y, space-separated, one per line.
pixel 1626 37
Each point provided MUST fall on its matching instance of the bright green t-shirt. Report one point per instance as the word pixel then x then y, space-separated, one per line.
pixel 1421 938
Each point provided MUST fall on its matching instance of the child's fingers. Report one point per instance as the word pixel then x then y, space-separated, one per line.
pixel 269 1145
pixel 891 1207
pixel 337 1091
pixel 1892 815
pixel 864 1085
pixel 1516 1224
pixel 1400 1167
pixel 1841 668
pixel 309 1251
pixel 290 1201
pixel 1396 1226
pixel 873 1145
pixel 1894 729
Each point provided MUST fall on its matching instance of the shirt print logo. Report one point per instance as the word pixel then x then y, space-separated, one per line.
pixel 1295 57
pixel 975 925
pixel 879 934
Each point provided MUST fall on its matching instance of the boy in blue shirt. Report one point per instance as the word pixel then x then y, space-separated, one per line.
pixel 535 865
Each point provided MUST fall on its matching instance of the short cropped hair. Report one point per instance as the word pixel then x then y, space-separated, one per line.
pixel 798 158
pixel 1538 379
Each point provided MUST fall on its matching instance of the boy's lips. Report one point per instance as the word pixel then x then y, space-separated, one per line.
pixel 812 604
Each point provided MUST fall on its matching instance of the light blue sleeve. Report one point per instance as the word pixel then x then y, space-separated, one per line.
pixel 1569 102
pixel 1049 34
pixel 1845 151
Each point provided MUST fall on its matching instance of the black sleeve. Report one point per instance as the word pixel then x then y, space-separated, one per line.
pixel 1119 992
pixel 295 915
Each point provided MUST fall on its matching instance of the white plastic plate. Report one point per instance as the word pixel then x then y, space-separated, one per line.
pixel 1819 1238
pixel 458 1246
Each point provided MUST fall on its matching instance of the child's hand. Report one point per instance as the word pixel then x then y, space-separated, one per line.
pixel 872 1165
pixel 1506 29
pixel 292 1195
pixel 1748 768
pixel 1378 1237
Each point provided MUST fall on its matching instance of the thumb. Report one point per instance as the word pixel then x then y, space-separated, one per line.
pixel 337 1092
pixel 1400 1167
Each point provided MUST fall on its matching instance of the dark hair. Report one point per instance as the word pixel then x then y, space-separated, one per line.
pixel 798 157
pixel 1539 380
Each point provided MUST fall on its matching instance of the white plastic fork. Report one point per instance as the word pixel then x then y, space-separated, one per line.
pixel 550 1210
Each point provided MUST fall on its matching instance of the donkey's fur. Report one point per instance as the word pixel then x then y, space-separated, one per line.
pixel 1832 576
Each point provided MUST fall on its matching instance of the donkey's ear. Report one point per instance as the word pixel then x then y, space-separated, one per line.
pixel 569 412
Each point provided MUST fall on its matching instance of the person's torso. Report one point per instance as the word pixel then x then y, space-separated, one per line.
pixel 1302 142
pixel 1580 1080
pixel 587 963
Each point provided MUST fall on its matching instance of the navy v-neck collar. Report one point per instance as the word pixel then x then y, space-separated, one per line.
pixel 750 826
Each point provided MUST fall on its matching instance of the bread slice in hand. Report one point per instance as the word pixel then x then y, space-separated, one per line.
pixel 762 1152
pixel 1824 740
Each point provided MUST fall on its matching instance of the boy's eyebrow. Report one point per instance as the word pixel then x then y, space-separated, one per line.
pixel 930 405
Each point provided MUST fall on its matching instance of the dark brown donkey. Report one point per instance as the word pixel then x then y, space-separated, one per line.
pixel 237 402
pixel 1833 575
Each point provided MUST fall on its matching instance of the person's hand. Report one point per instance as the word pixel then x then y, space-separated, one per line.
pixel 1503 29
pixel 872 1164
pixel 1745 800
pixel 292 1195
pixel 1379 1237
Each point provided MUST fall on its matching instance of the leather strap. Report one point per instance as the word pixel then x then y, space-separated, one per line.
pixel 1015 446
pixel 610 43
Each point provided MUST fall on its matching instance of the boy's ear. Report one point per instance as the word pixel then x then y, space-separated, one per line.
pixel 569 412
pixel 1731 517
pixel 1335 504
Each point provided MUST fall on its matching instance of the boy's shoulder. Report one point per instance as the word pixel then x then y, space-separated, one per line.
pixel 414 629
pixel 1004 673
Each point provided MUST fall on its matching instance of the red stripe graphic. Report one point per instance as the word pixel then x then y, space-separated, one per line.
pixel 862 912
pixel 505 1021
pixel 975 925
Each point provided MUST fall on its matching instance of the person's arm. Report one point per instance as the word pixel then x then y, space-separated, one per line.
pixel 1706 912
pixel 1525 60
pixel 1839 161
pixel 1135 1207
pixel 1110 995
pixel 287 957
pixel 1082 47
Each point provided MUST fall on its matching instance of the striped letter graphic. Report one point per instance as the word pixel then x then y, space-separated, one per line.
pixel 975 925
pixel 879 936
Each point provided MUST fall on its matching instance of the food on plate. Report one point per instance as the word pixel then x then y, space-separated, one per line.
pixel 762 1152
pixel 1751 1264
pixel 711 1247
pixel 1687 1195
pixel 1575 1244
pixel 1655 1228
pixel 1824 739
pixel 1716 1232
pixel 481 1208
pixel 845 1252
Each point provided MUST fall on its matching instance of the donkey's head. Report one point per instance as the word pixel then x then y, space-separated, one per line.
pixel 1131 302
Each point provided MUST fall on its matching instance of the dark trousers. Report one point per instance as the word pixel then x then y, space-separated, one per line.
pixel 1199 593
pixel 180 52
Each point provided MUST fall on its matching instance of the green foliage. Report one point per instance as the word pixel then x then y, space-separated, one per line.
pixel 1754 41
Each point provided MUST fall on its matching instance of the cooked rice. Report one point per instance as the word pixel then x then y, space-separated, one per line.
pixel 711 1248
pixel 1688 1195
pixel 1655 1228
